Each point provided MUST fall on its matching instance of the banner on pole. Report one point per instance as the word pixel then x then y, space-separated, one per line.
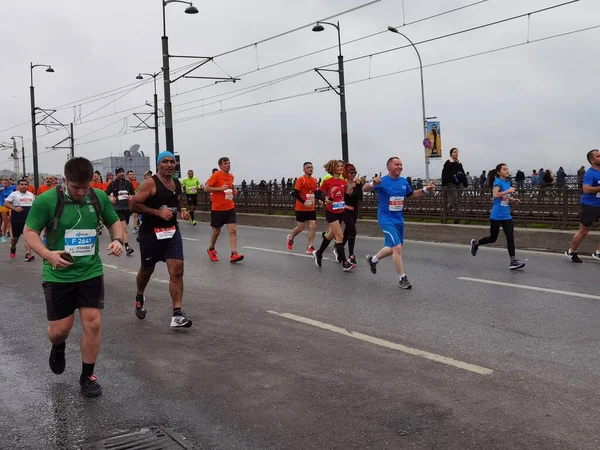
pixel 433 141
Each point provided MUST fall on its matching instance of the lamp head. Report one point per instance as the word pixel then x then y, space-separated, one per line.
pixel 393 30
pixel 318 27
pixel 191 9
pixel 139 77
pixel 50 70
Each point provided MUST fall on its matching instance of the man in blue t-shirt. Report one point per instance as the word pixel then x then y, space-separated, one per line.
pixel 392 191
pixel 589 211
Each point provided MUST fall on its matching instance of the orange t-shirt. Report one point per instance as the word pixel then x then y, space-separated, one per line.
pixel 105 185
pixel 31 189
pixel 307 187
pixel 97 185
pixel 135 185
pixel 222 200
pixel 43 188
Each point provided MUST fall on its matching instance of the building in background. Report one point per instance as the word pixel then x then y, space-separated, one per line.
pixel 132 159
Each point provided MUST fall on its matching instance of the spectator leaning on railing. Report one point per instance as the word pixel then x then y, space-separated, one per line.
pixel 454 179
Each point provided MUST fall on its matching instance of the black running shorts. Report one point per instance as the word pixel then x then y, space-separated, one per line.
pixel 124 216
pixel 332 217
pixel 62 299
pixel 153 250
pixel 588 214
pixel 192 199
pixel 17 229
pixel 305 216
pixel 220 218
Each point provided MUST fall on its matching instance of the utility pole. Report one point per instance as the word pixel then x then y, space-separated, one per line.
pixel 72 142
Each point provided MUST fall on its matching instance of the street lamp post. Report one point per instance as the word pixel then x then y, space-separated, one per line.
pixel 395 30
pixel 191 9
pixel 49 69
pixel 342 94
pixel 22 153
pixel 156 143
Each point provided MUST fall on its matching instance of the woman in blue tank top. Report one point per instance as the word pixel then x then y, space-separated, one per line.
pixel 500 216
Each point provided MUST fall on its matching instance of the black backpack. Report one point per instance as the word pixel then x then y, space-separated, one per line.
pixel 60 207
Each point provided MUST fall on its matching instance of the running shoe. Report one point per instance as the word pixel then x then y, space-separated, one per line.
pixel 352 259
pixel 8 234
pixel 180 321
pixel 337 258
pixel 310 250
pixel 235 257
pixel 289 242
pixel 135 230
pixel 324 235
pixel 573 256
pixel 516 264
pixel 90 386
pixel 140 311
pixel 372 265
pixel 596 256
pixel 194 222
pixel 57 361
pixel 212 254
pixel 129 251
pixel 474 247
pixel 29 257
pixel 318 258
pixel 13 252
pixel 404 283
pixel 348 266
pixel 4 240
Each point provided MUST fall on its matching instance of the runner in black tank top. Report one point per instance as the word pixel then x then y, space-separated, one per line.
pixel 160 239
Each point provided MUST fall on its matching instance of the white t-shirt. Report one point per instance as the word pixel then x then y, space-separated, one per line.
pixel 17 199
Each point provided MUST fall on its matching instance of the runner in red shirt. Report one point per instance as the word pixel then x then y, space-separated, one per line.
pixel 332 191
pixel 304 193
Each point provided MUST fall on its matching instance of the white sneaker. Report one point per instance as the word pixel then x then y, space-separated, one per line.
pixel 180 321
pixel 596 256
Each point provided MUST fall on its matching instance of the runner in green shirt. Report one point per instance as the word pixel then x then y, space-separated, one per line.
pixel 73 274
pixel 191 186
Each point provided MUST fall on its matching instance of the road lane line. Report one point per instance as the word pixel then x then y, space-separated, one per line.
pixel 531 288
pixel 131 272
pixel 281 252
pixel 189 239
pixel 387 344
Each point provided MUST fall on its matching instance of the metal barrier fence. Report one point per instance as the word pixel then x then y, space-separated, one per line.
pixel 551 206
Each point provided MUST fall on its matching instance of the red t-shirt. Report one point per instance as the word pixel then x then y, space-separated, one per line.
pixel 221 200
pixel 307 187
pixel 334 189
pixel 43 188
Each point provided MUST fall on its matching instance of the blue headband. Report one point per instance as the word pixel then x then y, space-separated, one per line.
pixel 164 155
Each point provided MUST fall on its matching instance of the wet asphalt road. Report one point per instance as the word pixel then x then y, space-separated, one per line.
pixel 245 378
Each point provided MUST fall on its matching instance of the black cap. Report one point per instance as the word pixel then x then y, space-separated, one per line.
pixel 119 170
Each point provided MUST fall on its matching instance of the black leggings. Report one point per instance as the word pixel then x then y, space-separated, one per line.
pixel 509 232
pixel 350 232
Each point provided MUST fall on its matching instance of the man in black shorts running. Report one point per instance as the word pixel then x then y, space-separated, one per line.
pixel 120 192
pixel 160 239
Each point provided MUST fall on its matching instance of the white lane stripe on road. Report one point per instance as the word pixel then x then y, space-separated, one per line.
pixel 387 344
pixel 281 252
pixel 531 288
pixel 131 272
pixel 189 239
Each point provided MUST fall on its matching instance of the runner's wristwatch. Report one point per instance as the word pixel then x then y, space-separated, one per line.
pixel 119 240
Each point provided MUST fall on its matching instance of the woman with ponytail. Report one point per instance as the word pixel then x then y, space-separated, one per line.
pixel 500 217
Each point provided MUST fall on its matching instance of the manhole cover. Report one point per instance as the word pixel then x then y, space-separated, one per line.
pixel 152 438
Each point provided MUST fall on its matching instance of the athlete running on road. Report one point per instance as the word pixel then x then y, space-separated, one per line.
pixel 589 212
pixel 158 200
pixel 120 192
pixel 304 193
pixel 73 272
pixel 191 186
pixel 392 190
pixel 19 202
pixel 500 216
pixel 353 197
pixel 332 192
pixel 220 184
pixel 5 190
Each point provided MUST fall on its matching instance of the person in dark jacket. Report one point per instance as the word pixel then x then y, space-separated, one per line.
pixel 353 197
pixel 453 180
pixel 561 177
pixel 121 192
pixel 520 178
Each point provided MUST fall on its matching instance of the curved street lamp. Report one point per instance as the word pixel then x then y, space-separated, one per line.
pixel 191 9
pixel 395 30
pixel 343 115
pixel 49 69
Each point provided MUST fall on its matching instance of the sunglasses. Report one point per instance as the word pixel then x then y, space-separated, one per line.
pixel 354 172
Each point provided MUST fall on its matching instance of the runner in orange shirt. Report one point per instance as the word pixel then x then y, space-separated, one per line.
pixel 49 184
pixel 220 184
pixel 304 193
pixel 96 183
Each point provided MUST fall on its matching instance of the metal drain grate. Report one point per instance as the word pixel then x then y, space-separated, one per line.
pixel 152 438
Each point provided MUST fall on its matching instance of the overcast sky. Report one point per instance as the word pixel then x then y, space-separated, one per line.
pixel 532 106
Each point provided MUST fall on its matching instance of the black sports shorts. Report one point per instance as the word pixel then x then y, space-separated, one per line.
pixel 192 199
pixel 153 250
pixel 332 217
pixel 588 214
pixel 124 216
pixel 62 299
pixel 304 216
pixel 220 218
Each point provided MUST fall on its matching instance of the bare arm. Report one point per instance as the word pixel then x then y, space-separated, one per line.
pixel 146 190
pixel 208 188
pixel 498 194
pixel 422 192
pixel 588 189
pixel 10 206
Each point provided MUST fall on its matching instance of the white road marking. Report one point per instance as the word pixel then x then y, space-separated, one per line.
pixel 387 344
pixel 131 272
pixel 190 239
pixel 531 288
pixel 281 252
